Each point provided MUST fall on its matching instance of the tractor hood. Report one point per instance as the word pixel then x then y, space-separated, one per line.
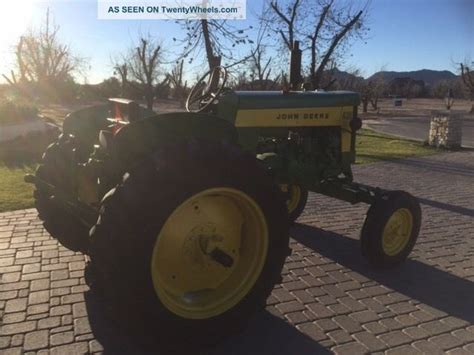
pixel 292 99
pixel 283 109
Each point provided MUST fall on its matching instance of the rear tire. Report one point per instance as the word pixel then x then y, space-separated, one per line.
pixel 58 169
pixel 390 229
pixel 134 220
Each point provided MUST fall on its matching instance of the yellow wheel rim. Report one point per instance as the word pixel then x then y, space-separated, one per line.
pixel 188 277
pixel 397 232
pixel 294 196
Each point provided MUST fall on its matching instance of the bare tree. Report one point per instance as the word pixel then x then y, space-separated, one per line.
pixel 217 38
pixel 364 88
pixel 326 24
pixel 176 80
pixel 43 60
pixel 378 87
pixel 370 91
pixel 288 20
pixel 144 66
pixel 121 70
pixel 261 70
pixel 440 89
pixel 349 81
pixel 467 76
pixel 458 88
pixel 240 81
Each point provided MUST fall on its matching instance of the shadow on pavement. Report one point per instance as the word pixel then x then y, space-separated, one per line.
pixel 429 285
pixel 441 167
pixel 448 207
pixel 266 334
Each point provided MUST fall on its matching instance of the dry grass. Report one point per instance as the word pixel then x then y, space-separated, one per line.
pixel 413 108
pixel 372 147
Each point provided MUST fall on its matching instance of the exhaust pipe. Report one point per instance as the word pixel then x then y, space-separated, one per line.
pixel 295 67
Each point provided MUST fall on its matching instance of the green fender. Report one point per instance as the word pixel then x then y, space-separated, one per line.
pixel 85 124
pixel 138 139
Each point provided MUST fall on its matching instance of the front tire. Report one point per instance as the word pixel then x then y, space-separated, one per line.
pixel 390 229
pixel 296 199
pixel 191 243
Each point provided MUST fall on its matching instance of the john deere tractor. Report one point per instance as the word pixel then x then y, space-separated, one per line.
pixel 186 215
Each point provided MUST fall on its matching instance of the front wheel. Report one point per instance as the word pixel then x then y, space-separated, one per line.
pixel 191 244
pixel 391 229
pixel 296 198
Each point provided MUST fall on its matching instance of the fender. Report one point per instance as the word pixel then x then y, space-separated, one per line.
pixel 85 124
pixel 138 139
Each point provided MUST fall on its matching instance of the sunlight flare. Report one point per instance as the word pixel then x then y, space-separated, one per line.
pixel 15 19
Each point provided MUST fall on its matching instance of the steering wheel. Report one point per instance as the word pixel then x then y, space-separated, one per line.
pixel 204 94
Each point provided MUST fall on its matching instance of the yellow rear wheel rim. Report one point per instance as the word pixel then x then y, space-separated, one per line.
pixel 186 277
pixel 397 232
pixel 294 196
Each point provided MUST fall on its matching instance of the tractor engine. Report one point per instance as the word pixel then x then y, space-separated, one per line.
pixel 304 136
pixel 321 144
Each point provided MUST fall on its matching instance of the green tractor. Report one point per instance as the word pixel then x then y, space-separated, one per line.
pixel 185 216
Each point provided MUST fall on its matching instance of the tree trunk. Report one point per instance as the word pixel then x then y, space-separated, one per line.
pixel 149 102
pixel 212 60
pixel 149 97
pixel 314 38
pixel 312 67
pixel 375 103
pixel 365 104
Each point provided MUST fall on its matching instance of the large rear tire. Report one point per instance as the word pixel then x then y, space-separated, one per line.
pixel 190 245
pixel 58 169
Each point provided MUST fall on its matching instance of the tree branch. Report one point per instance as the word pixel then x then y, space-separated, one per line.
pixel 337 38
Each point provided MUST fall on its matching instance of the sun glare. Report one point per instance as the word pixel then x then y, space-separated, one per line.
pixel 15 19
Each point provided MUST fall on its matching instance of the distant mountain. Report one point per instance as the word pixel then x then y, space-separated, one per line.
pixel 341 75
pixel 430 77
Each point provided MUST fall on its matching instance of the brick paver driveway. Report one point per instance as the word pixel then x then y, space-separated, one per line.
pixel 330 300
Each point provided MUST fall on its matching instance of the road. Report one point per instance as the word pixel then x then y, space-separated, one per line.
pixel 417 128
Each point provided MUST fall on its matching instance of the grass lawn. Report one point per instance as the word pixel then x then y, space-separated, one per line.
pixel 15 194
pixel 371 147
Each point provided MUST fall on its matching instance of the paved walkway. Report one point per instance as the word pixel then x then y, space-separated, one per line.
pixel 329 301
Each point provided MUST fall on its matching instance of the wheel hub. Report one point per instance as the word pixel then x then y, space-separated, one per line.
pixel 293 196
pixel 397 232
pixel 209 252
pixel 202 244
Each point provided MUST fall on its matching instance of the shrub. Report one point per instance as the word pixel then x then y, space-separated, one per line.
pixel 12 111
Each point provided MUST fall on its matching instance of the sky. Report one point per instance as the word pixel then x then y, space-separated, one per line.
pixel 404 35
